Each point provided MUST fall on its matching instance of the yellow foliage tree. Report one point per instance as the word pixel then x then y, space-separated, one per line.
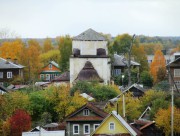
pixel 47 46
pixel 63 101
pixel 163 120
pixel 50 55
pixel 157 63
pixel 11 49
pixel 132 105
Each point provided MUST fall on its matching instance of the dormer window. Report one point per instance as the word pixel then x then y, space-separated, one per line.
pixel 86 112
pixel 50 66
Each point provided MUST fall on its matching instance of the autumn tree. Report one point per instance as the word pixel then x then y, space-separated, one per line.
pixel 157 63
pixel 157 100
pixel 11 49
pixel 32 59
pixel 132 105
pixel 63 102
pixel 19 122
pixel 50 55
pixel 65 48
pixel 163 120
pixel 140 56
pixel 151 48
pixel 47 45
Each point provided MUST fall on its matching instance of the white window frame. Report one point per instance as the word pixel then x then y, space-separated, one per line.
pixel 1 74
pixel 117 72
pixel 74 125
pixel 88 128
pixel 176 72
pixel 110 127
pixel 42 76
pixel 95 126
pixel 9 74
pixel 86 112
pixel 50 66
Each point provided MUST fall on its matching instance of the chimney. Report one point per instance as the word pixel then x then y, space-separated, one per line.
pixel 8 60
pixel 15 61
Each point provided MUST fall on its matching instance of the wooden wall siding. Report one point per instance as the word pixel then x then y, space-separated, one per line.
pixel 15 72
pixel 53 68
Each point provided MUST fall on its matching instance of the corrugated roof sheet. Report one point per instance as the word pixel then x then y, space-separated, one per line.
pixel 89 35
pixel 121 61
pixel 4 64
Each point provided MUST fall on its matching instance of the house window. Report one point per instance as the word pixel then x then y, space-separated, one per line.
pixel 177 84
pixel 111 126
pixel 9 74
pixel 42 76
pixel 86 128
pixel 50 66
pixel 95 126
pixel 86 112
pixel 176 72
pixel 117 72
pixel 1 74
pixel 75 129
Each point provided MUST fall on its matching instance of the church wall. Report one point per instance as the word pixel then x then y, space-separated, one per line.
pixel 100 65
pixel 89 47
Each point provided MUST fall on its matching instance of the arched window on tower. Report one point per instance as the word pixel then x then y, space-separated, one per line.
pixel 101 52
pixel 76 52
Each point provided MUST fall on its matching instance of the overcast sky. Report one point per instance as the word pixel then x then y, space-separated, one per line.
pixel 51 18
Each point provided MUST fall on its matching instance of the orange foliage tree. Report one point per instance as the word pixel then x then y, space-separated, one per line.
pixel 157 63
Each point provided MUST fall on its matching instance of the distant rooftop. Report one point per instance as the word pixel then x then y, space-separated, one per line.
pixel 6 64
pixel 89 35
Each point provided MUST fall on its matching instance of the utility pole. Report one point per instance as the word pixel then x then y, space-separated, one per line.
pixel 129 61
pixel 172 112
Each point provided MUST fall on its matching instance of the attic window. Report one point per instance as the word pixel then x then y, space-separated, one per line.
pixel 86 112
pixel 111 126
pixel 50 66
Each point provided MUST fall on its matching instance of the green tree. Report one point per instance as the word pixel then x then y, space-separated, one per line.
pixel 122 43
pixel 146 79
pixel 65 48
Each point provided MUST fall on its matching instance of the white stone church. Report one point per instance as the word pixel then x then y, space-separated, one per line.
pixel 89 60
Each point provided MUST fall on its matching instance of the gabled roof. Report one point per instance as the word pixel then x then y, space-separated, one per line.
pixel 91 107
pixel 89 35
pixel 121 61
pixel 178 59
pixel 148 108
pixel 4 89
pixel 121 120
pixel 124 90
pixel 88 73
pixel 5 64
pixel 53 63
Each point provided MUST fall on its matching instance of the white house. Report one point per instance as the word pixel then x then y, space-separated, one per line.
pixel 90 60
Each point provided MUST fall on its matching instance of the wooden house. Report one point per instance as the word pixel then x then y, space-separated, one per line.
pixel 49 71
pixel 120 64
pixel 9 70
pixel 115 125
pixel 174 68
pixel 84 120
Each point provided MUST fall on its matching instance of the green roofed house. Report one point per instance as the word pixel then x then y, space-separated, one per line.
pixel 49 71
